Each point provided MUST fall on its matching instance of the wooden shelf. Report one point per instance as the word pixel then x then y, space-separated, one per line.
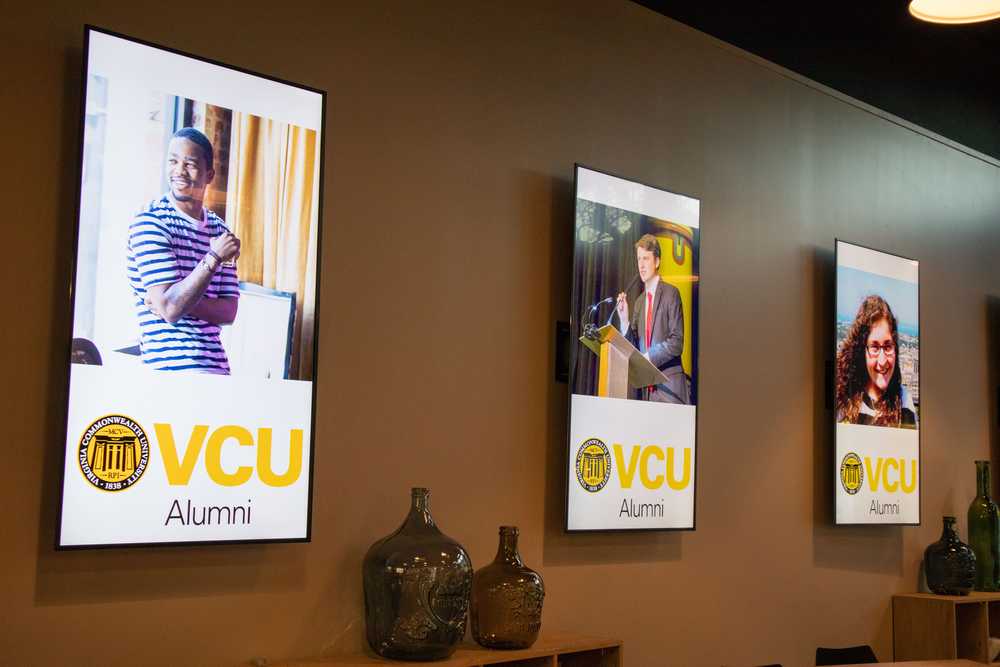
pixel 551 650
pixel 944 627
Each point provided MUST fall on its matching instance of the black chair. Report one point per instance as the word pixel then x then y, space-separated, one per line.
pixel 852 655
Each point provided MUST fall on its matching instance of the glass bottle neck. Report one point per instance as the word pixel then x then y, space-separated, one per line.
pixel 420 511
pixel 507 551
pixel 949 528
pixel 983 478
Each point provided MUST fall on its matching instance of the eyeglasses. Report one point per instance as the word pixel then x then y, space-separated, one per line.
pixel 874 348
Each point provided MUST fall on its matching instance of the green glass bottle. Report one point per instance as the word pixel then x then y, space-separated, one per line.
pixel 984 531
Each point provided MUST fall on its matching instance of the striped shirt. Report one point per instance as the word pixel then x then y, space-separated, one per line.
pixel 164 246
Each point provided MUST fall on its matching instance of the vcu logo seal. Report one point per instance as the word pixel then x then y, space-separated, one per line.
pixel 113 453
pixel 593 465
pixel 851 473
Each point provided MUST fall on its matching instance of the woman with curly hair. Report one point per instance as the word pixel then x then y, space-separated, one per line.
pixel 869 383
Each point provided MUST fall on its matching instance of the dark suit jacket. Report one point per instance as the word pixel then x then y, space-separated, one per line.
pixel 666 341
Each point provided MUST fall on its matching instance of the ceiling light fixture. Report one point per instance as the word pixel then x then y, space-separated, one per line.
pixel 955 11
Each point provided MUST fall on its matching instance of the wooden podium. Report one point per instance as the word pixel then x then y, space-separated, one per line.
pixel 622 366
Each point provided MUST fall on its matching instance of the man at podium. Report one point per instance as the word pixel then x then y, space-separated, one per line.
pixel 657 325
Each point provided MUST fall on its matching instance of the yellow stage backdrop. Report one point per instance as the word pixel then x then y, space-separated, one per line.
pixel 677 268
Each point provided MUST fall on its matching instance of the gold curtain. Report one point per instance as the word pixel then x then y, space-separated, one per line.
pixel 272 202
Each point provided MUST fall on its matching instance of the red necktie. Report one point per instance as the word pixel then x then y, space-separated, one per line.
pixel 649 319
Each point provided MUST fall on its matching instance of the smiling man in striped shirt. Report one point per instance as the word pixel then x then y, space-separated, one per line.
pixel 179 266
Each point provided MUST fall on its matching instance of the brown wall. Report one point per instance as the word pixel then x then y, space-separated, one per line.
pixel 451 135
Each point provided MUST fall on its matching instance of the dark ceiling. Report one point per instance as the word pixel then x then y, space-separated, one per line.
pixel 945 78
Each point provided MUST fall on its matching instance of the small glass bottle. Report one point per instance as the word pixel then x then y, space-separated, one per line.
pixel 984 531
pixel 949 563
pixel 507 598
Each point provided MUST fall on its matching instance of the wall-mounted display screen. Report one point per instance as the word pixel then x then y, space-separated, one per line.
pixel 193 350
pixel 634 360
pixel 877 387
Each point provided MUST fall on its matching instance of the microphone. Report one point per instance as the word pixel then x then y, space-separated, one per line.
pixel 600 303
pixel 628 287
pixel 590 329
pixel 632 282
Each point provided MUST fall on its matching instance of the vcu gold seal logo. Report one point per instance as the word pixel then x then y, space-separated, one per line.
pixel 113 453
pixel 851 473
pixel 593 465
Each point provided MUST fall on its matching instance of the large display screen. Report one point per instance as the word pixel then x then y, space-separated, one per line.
pixel 877 387
pixel 193 356
pixel 634 360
